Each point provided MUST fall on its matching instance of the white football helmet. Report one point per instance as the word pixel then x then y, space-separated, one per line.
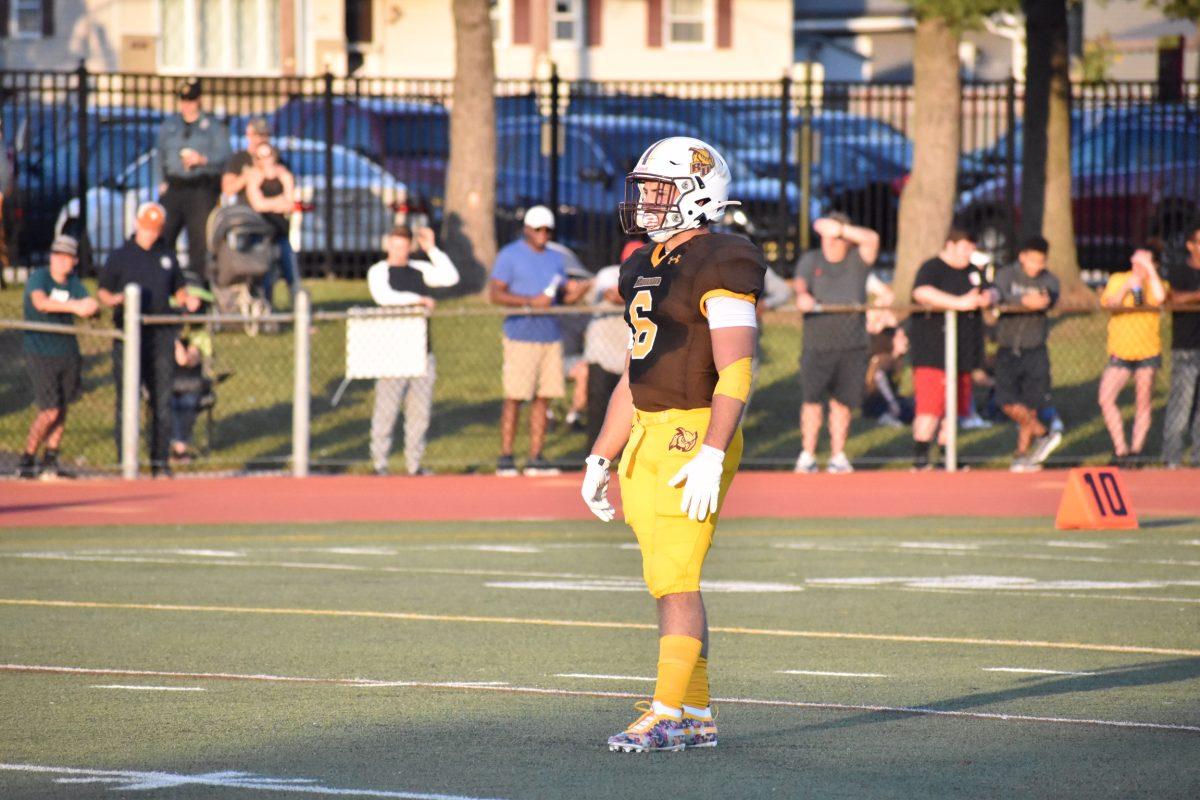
pixel 679 183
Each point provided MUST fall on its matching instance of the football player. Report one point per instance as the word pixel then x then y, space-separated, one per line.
pixel 675 416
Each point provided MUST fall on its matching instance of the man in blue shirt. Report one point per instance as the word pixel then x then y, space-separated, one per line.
pixel 529 275
pixel 53 294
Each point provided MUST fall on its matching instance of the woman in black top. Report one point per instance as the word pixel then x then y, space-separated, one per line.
pixel 271 189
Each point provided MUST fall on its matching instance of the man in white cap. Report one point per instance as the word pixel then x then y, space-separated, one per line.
pixel 529 275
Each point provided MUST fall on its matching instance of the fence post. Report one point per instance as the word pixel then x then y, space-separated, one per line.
pixel 1010 170
pixel 804 157
pixel 81 94
pixel 131 380
pixel 554 123
pixel 301 396
pixel 951 367
pixel 785 149
pixel 327 211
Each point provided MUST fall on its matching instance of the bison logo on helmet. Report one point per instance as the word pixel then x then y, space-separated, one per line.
pixel 702 161
pixel 683 441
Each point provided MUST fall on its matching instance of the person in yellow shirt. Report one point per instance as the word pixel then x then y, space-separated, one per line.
pixel 1134 348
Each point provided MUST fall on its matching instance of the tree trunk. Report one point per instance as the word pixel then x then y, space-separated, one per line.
pixel 1046 206
pixel 927 202
pixel 469 224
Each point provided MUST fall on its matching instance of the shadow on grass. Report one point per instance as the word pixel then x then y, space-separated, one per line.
pixel 1036 686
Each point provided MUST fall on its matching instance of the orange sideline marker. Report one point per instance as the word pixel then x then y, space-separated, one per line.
pixel 1095 498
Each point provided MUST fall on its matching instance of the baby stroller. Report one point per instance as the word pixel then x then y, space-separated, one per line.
pixel 241 250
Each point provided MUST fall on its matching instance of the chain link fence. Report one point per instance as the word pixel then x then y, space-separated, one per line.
pixel 245 414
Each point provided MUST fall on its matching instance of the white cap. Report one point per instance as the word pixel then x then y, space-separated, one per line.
pixel 539 217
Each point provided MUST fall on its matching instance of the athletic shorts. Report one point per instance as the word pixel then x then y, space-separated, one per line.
pixel 930 388
pixel 673 546
pixel 837 374
pixel 55 379
pixel 532 369
pixel 1023 377
pixel 1153 362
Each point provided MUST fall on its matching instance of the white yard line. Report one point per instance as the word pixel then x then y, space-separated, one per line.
pixel 831 674
pixel 1023 670
pixel 536 690
pixel 133 780
pixel 151 688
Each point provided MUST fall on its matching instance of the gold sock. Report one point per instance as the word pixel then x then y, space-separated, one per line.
pixel 696 695
pixel 677 657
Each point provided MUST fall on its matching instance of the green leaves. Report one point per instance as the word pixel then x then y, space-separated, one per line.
pixel 962 14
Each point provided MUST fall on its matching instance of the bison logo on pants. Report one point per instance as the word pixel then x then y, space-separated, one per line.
pixel 683 441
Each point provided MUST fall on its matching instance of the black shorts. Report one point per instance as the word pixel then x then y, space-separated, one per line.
pixel 837 373
pixel 1153 362
pixel 55 379
pixel 1023 377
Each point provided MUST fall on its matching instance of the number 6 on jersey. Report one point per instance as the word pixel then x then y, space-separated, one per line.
pixel 644 330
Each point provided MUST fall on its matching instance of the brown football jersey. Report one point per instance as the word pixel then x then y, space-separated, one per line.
pixel 671 361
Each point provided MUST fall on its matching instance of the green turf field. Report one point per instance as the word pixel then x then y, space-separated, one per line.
pixel 421 645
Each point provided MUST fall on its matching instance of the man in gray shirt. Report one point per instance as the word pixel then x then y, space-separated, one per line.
pixel 1023 363
pixel 833 362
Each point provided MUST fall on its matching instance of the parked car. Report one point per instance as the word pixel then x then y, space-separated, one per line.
pixel 1132 176
pixel 47 153
pixel 598 151
pixel 367 201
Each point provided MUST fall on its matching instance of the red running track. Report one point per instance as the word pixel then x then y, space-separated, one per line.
pixel 1154 493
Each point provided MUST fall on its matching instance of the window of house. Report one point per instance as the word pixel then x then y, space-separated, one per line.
pixel 25 18
pixel 686 21
pixel 227 36
pixel 564 20
pixel 496 15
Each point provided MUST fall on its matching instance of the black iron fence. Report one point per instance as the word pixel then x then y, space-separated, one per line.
pixel 369 151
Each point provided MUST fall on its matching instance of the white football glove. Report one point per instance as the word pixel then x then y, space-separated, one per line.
pixel 595 487
pixel 702 492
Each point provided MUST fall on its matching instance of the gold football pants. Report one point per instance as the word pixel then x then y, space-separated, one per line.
pixel 673 546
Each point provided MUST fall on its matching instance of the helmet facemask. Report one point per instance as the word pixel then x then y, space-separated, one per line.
pixel 652 206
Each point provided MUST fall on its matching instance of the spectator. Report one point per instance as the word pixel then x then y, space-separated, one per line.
pixel 143 261
pixel 270 190
pixel 947 282
pixel 834 358
pixel 192 382
pixel 606 342
pixel 53 294
pixel 529 275
pixel 882 401
pixel 6 189
pixel 1023 362
pixel 240 164
pixel 401 280
pixel 1134 348
pixel 1183 403
pixel 574 328
pixel 193 147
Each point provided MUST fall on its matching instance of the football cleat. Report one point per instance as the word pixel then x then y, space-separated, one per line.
pixel 651 731
pixel 699 730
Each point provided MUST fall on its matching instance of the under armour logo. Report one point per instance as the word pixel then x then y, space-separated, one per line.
pixel 683 441
pixel 674 259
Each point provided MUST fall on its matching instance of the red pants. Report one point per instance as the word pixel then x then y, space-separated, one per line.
pixel 929 384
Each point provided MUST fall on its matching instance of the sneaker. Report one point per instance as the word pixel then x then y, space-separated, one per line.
pixel 27 468
pixel 974 422
pixel 537 465
pixel 806 463
pixel 699 727
pixel 839 465
pixel 1024 463
pixel 651 731
pixel 1043 446
pixel 1056 424
pixel 50 470
pixel 506 467
pixel 382 472
pixel 887 420
pixel 421 472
